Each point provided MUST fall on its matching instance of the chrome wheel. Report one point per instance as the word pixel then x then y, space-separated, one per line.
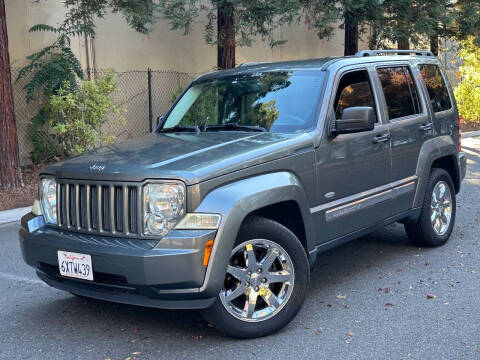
pixel 441 208
pixel 259 281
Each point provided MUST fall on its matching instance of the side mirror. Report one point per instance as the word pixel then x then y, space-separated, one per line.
pixel 355 119
pixel 160 121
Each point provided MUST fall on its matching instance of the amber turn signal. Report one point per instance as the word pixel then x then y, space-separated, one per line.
pixel 207 252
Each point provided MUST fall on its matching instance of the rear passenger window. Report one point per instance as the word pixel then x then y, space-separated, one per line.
pixel 353 90
pixel 437 89
pixel 400 91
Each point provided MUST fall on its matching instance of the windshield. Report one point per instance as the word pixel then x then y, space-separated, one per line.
pixel 273 101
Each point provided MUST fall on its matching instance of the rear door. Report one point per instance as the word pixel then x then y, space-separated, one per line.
pixel 440 100
pixel 409 125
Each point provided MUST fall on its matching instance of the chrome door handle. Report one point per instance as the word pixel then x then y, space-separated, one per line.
pixel 426 127
pixel 381 138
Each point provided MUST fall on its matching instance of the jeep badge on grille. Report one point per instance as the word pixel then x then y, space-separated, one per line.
pixel 97 167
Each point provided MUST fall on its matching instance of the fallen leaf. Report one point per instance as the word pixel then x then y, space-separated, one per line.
pixel 388 304
pixel 431 296
pixel 350 333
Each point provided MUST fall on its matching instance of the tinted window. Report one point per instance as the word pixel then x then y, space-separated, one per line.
pixel 353 90
pixel 400 93
pixel 437 90
pixel 280 101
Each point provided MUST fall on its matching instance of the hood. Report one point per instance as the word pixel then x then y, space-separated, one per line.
pixel 185 156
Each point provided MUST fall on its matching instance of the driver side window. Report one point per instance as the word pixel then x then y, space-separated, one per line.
pixel 353 90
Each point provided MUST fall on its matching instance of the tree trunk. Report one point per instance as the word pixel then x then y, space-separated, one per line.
pixel 403 44
pixel 225 35
pixel 10 175
pixel 434 44
pixel 351 35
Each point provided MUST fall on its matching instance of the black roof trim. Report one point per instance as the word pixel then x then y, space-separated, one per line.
pixel 362 53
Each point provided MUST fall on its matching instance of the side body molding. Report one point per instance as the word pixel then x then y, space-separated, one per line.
pixel 234 202
pixel 432 150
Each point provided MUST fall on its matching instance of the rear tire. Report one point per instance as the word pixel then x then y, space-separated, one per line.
pixel 263 302
pixel 437 218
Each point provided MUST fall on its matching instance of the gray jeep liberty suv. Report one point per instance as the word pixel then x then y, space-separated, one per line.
pixel 252 174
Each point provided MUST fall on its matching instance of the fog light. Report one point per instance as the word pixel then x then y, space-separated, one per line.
pixel 156 224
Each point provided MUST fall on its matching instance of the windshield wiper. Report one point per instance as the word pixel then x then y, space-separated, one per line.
pixel 177 128
pixel 235 126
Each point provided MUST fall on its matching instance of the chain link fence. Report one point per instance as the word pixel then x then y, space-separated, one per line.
pixel 143 95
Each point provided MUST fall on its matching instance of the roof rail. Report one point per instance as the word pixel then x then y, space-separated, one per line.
pixel 398 52
pixel 251 63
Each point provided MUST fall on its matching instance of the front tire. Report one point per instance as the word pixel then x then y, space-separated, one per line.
pixel 437 218
pixel 265 284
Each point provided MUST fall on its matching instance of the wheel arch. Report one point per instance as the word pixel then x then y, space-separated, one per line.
pixel 439 152
pixel 259 195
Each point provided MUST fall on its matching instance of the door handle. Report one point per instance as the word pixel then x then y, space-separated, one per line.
pixel 381 138
pixel 426 127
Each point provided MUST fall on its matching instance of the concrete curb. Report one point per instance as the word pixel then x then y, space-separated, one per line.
pixel 470 134
pixel 13 215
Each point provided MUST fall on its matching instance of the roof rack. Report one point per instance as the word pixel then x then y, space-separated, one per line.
pixel 398 52
pixel 251 63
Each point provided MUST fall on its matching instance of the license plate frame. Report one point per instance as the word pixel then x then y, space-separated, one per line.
pixel 75 265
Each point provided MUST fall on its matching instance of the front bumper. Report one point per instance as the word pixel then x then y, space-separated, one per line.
pixel 163 274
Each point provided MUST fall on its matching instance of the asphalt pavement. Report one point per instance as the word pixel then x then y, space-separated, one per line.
pixel 375 298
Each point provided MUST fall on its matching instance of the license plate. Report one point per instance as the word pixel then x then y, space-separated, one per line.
pixel 75 265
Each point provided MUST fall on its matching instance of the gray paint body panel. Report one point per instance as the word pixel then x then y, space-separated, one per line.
pixel 343 185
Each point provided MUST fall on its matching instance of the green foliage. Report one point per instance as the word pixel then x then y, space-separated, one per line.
pixel 77 117
pixel 48 71
pixel 139 14
pixel 323 15
pixel 53 65
pixel 467 92
pixel 250 17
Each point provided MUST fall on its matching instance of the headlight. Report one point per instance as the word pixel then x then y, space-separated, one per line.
pixel 48 199
pixel 164 206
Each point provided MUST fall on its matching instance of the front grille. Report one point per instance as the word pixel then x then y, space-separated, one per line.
pixel 110 209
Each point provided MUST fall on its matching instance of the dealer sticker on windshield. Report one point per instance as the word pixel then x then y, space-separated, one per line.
pixel 75 265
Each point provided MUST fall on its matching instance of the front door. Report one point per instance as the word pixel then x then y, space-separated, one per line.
pixel 353 170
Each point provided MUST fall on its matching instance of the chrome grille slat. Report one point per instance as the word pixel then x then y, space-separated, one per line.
pixel 77 206
pixel 111 192
pixel 87 207
pixel 126 210
pixel 67 205
pixel 101 207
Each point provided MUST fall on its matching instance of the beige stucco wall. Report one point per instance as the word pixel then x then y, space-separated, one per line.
pixel 118 46
pixel 23 14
